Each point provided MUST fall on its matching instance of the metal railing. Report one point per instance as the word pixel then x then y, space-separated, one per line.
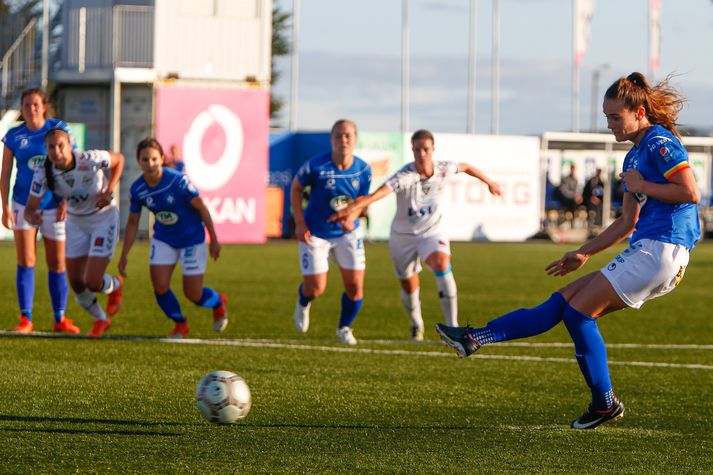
pixel 19 65
pixel 108 37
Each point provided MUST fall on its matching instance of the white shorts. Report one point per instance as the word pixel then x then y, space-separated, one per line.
pixel 50 227
pixel 93 235
pixel 348 252
pixel 646 270
pixel 406 249
pixel 193 258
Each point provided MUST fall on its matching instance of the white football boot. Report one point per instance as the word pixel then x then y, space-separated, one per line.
pixel 345 336
pixel 302 317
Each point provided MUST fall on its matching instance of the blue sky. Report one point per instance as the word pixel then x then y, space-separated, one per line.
pixel 350 63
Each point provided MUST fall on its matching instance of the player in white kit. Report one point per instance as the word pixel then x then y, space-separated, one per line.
pixel 81 179
pixel 417 231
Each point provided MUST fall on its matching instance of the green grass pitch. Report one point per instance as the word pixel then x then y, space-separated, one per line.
pixel 124 404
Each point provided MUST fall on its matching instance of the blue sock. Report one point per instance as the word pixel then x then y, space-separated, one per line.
pixel 209 298
pixel 523 322
pixel 57 283
pixel 25 280
pixel 170 306
pixel 591 355
pixel 350 309
pixel 304 301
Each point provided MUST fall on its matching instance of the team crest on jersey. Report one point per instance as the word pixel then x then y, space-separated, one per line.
pixel 340 202
pixel 24 142
pixel 36 162
pixel 355 183
pixel 167 217
pixel 330 184
pixel 149 201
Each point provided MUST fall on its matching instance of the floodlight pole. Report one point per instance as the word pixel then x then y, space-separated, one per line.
pixel 294 64
pixel 404 67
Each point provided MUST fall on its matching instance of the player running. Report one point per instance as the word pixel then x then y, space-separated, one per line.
pixel 660 207
pixel 417 230
pixel 92 219
pixel 336 179
pixel 179 236
pixel 25 143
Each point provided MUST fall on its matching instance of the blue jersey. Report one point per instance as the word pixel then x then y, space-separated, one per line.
pixel 178 223
pixel 332 189
pixel 658 157
pixel 28 147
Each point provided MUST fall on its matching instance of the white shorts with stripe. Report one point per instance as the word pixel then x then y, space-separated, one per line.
pixel 93 235
pixel 646 270
pixel 50 227
pixel 193 259
pixel 407 249
pixel 347 250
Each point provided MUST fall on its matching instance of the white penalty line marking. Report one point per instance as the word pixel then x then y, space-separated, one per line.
pixel 439 354
pixel 299 345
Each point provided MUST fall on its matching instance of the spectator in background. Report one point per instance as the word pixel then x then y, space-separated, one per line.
pixel 567 194
pixel 592 197
pixel 174 160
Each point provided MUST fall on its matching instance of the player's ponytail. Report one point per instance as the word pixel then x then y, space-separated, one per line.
pixel 662 102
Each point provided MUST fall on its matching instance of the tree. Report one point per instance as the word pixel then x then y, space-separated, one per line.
pixel 280 47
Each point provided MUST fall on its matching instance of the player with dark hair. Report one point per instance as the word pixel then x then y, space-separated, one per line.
pixel 86 180
pixel 25 144
pixel 660 207
pixel 417 231
pixel 179 236
pixel 336 179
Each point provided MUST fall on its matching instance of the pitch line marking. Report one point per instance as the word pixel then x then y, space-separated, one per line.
pixel 338 349
pixel 276 344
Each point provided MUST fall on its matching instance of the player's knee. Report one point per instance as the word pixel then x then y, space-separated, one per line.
pixel 354 292
pixel 193 296
pixel 95 285
pixel 312 291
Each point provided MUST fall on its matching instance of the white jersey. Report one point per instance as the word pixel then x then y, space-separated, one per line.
pixel 79 185
pixel 418 199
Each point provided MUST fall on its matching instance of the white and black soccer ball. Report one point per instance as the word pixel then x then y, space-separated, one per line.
pixel 223 397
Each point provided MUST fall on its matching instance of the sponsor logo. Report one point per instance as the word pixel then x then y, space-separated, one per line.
pixel 170 199
pixel 212 176
pixel 167 217
pixel 36 162
pixel 69 180
pixel 340 202
pixel 611 266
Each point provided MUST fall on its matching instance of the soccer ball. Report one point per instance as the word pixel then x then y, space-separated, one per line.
pixel 223 397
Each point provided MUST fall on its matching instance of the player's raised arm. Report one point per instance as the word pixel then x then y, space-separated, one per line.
pixel 493 186
pixel 302 232
pixel 354 210
pixel 618 230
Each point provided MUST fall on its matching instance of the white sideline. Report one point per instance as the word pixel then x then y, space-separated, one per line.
pixel 300 345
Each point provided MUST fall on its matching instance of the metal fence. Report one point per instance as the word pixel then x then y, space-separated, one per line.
pixel 19 65
pixel 101 37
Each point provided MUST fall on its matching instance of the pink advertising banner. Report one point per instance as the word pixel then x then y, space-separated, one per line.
pixel 222 137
